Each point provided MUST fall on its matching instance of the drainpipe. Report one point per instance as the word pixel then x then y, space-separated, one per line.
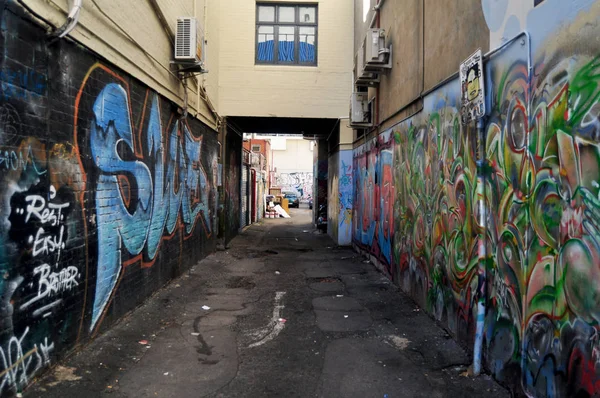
pixel 482 249
pixel 481 165
pixel 376 9
pixel 71 21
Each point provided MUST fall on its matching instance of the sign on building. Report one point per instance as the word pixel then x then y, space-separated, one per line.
pixel 472 88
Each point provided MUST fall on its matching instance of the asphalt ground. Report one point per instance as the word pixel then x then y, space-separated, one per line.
pixel 282 312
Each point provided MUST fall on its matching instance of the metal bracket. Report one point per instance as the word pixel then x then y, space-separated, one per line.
pixel 388 65
pixel 375 67
pixel 195 67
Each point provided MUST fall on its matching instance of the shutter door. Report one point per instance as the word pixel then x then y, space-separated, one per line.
pixel 245 193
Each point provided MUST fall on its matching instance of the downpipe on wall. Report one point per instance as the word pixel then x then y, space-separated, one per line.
pixel 376 9
pixel 70 23
pixel 482 249
pixel 481 201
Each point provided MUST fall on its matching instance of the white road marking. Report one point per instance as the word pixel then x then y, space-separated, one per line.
pixel 274 327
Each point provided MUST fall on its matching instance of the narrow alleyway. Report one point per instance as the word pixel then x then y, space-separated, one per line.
pixel 281 313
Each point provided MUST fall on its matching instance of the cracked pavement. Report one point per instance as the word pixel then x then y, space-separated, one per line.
pixel 290 315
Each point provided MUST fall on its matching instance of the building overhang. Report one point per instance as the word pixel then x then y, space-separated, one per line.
pixel 308 127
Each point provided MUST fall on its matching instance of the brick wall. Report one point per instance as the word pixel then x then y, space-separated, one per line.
pixel 106 195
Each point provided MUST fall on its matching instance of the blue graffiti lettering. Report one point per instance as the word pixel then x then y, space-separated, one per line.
pixel 172 184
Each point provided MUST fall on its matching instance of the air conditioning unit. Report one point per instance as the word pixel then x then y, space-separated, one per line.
pixel 361 77
pixel 377 56
pixel 189 43
pixel 361 111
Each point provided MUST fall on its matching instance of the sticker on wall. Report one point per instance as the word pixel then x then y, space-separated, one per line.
pixel 472 88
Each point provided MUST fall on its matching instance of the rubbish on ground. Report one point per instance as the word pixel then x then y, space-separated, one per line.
pixel 277 272
pixel 281 212
pixel 339 295
pixel 109 387
pixel 282 320
pixel 195 334
pixel 345 316
pixel 142 342
pixel 178 285
pixel 305 231
pixel 19 395
pixel 366 262
pixel 205 307
pixel 166 373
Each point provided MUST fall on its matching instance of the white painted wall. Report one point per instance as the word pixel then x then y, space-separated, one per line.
pixel 296 157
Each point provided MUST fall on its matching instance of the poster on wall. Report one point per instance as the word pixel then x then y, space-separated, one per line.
pixel 472 91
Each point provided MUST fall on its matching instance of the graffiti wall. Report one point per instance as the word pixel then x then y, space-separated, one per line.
pixel 340 190
pixel 345 194
pixel 416 210
pixel 301 182
pixel 106 194
pixel 333 190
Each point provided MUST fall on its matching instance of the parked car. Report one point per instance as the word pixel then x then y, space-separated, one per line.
pixel 293 200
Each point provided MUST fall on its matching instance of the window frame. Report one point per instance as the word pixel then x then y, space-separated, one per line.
pixel 296 25
pixel 254 146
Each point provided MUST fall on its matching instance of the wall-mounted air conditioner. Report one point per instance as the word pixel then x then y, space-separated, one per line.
pixel 186 39
pixel 361 110
pixel 377 56
pixel 361 76
pixel 189 42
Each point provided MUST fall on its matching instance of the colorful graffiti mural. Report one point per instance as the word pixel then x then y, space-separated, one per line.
pixel 345 198
pixel 339 211
pixel 301 182
pixel 415 211
pixel 161 187
pixel 106 194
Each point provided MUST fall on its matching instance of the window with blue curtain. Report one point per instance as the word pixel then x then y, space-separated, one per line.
pixel 287 39
pixel 286 34
pixel 266 44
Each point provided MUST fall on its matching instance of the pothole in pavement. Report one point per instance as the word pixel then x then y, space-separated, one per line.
pixel 240 282
pixel 327 285
pixel 323 280
pixel 277 249
pixel 250 254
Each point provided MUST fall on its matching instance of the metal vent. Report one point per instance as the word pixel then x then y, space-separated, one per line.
pixel 185 40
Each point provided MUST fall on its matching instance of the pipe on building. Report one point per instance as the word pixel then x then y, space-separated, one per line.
pixel 71 21
pixel 481 200
pixel 163 20
pixel 482 248
pixel 37 16
pixel 376 9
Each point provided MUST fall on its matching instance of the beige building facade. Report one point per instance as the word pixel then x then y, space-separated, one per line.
pixel 250 89
pixel 134 39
